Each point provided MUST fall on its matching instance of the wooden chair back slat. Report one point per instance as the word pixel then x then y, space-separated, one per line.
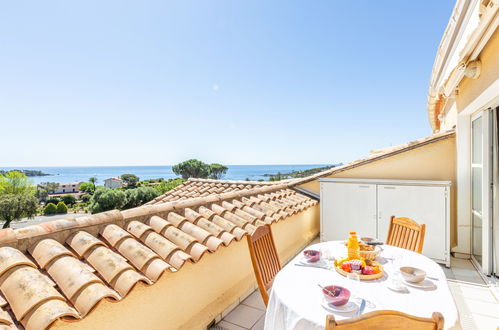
pixel 384 319
pixel 406 233
pixel 264 258
pixel 410 238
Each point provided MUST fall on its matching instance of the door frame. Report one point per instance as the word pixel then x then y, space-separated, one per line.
pixel 488 99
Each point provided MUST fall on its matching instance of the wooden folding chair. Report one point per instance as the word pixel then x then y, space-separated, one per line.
pixel 264 259
pixel 406 233
pixel 387 320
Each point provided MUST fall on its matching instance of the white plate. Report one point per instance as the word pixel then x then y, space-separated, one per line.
pixel 426 284
pixel 397 287
pixel 347 308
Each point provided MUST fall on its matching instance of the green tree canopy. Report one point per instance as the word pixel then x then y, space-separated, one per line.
pixel 62 208
pixel 49 209
pixel 168 185
pixel 217 171
pixel 192 168
pixel 105 199
pixel 87 187
pixel 130 180
pixel 278 177
pixel 54 200
pixel 42 194
pixel 85 197
pixel 16 183
pixel 14 207
pixel 93 180
pixel 51 186
pixel 68 199
pixel 139 196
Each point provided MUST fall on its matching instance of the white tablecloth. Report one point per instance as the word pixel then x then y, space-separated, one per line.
pixel 295 299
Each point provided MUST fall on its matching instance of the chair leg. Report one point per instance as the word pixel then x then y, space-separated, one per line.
pixel 439 319
pixel 264 294
pixel 330 322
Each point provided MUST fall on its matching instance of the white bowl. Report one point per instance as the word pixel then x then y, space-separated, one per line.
pixel 412 274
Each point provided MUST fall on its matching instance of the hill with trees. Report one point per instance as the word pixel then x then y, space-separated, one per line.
pixel 194 168
pixel 27 172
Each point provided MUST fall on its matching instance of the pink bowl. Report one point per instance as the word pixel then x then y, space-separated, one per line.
pixel 337 295
pixel 312 255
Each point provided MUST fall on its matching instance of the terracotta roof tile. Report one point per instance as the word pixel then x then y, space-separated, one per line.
pixel 209 226
pixel 166 249
pixel 246 216
pixel 64 268
pixel 6 321
pixel 139 255
pixel 10 257
pixel 33 300
pixel 45 313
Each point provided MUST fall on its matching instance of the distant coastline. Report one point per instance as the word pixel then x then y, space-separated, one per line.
pixel 30 173
pixel 83 173
pixel 302 173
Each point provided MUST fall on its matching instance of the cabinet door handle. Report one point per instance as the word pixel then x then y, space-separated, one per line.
pixel 363 186
pixel 389 187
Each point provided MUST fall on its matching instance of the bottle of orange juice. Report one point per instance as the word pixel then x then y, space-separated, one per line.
pixel 353 246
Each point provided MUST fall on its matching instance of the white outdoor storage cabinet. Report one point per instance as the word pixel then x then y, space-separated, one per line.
pixel 366 205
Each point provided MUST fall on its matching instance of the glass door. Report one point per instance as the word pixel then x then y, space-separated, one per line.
pixel 495 191
pixel 481 192
pixel 476 188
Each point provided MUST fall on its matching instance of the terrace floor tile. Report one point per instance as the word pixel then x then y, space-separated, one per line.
pixel 244 316
pixel 255 300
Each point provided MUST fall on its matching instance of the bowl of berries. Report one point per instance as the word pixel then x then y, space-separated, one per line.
pixel 336 295
pixel 312 255
pixel 367 269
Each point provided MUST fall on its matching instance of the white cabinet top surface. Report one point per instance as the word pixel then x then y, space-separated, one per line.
pixel 389 181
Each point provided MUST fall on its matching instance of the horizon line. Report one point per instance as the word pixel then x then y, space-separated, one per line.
pixel 55 166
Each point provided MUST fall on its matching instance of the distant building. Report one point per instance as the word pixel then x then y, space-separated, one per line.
pixel 72 187
pixel 113 183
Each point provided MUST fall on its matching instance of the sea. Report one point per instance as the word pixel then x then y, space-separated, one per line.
pixel 83 173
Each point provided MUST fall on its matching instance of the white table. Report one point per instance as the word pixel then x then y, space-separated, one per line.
pixel 295 299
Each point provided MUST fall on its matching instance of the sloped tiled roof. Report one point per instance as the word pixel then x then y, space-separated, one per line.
pixel 205 187
pixel 375 156
pixel 62 269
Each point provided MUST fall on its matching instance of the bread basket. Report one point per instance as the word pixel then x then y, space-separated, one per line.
pixel 370 255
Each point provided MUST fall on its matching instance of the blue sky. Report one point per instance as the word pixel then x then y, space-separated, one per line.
pixel 235 82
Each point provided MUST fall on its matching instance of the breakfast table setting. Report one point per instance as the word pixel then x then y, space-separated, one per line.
pixel 326 278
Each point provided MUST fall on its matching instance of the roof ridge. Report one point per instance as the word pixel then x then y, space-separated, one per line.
pixel 263 183
pixel 22 238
